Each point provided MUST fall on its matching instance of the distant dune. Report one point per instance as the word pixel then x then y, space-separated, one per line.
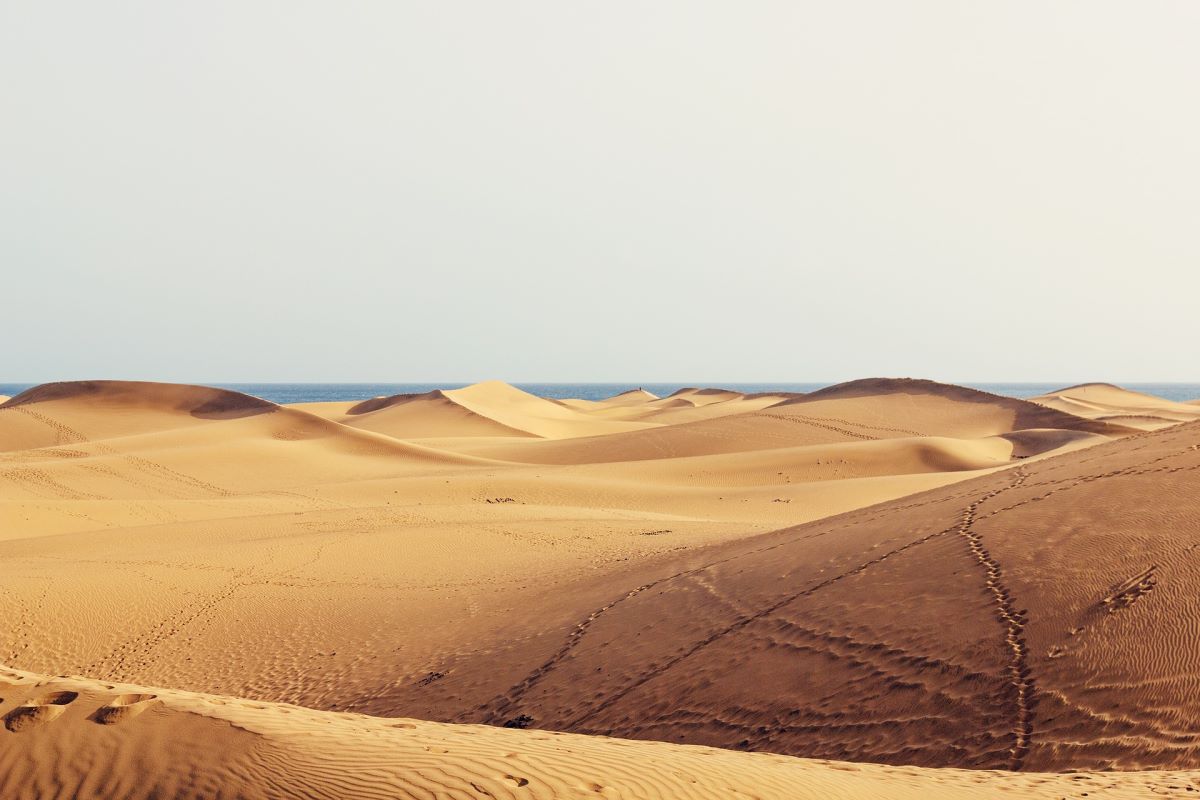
pixel 422 416
pixel 484 409
pixel 52 414
pixel 1103 401
pixel 889 571
pixel 629 398
pixel 928 408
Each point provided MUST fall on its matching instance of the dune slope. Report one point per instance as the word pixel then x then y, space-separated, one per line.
pixel 1038 618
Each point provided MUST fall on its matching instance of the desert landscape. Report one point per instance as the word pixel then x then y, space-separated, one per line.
pixel 885 588
pixel 640 401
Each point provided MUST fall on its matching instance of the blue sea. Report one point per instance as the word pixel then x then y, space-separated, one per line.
pixel 320 392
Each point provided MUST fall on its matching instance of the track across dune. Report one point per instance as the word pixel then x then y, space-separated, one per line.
pixel 729 650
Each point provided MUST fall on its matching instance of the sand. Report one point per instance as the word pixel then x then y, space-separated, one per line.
pixel 1103 401
pixel 869 573
pixel 85 739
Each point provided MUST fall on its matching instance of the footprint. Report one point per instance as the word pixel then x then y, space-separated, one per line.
pixel 123 707
pixel 39 710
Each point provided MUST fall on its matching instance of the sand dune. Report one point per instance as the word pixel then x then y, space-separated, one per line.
pixel 1069 646
pixel 422 416
pixel 64 413
pixel 654 568
pixel 71 737
pixel 702 397
pixel 858 411
pixel 483 409
pixel 901 406
pixel 631 397
pixel 1103 401
pixel 526 412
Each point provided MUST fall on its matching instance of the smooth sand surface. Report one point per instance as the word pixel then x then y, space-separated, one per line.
pixel 1103 401
pixel 836 575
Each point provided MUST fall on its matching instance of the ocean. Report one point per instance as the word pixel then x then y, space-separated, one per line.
pixel 327 392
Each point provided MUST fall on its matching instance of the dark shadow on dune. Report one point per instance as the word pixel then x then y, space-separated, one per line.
pixel 785 395
pixel 1028 443
pixel 747 395
pixel 61 390
pixel 232 405
pixel 203 402
pixel 376 403
pixel 695 390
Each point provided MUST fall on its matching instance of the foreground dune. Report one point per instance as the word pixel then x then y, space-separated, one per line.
pixel 84 739
pixel 1069 598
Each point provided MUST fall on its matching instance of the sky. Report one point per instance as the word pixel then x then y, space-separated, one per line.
pixel 584 191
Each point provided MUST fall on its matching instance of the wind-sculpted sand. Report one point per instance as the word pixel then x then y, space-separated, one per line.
pixel 119 742
pixel 888 571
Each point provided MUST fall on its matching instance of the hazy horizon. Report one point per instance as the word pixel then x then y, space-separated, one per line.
pixel 708 382
pixel 364 192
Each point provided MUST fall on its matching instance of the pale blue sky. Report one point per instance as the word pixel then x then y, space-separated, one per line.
pixel 642 191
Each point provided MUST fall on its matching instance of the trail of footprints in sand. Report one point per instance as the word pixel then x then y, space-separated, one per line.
pixel 744 621
pixel 813 421
pixel 1014 623
pixel 137 652
pixel 27 613
pixel 1019 675
pixel 45 707
pixel 498 710
pixel 846 422
pixel 41 482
